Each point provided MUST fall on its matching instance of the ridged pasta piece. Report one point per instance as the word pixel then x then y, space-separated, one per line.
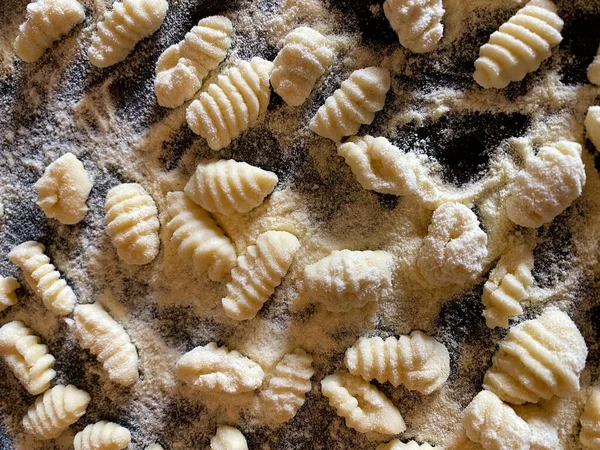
pixel 538 358
pixel 213 368
pixel 549 183
pixel 27 357
pixel 102 436
pixel 285 392
pixel 507 286
pixel 47 21
pixel 593 71
pixel 8 286
pixel 418 361
pixel 365 408
pixel 227 186
pixel 53 412
pixel 131 219
pixel 590 422
pixel 105 338
pixel 198 238
pixel 592 125
pixel 380 166
pixel 418 23
pixel 228 438
pixel 347 279
pixel 519 46
pixel 303 59
pixel 129 22
pixel 63 190
pixel 258 273
pixel 182 67
pixel 354 103
pixel 455 247
pixel 396 444
pixel 43 277
pixel 232 104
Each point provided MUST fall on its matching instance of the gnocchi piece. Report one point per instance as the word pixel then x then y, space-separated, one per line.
pixel 228 438
pixel 396 444
pixel 104 337
pixel 519 46
pixel 538 358
pixel 455 247
pixel 354 103
pixel 43 277
pixel 63 190
pixel 258 273
pixel 47 21
pixel 132 223
pixel 129 22
pixel 349 279
pixel 592 125
pixel 590 422
pixel 53 412
pixel 214 368
pixel 102 436
pixel 418 23
pixel 303 59
pixel 549 183
pixel 232 104
pixel 593 71
pixel 227 186
pixel 155 447
pixel 8 286
pixel 182 67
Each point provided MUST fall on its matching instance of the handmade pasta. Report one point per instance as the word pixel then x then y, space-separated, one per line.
pixel 417 22
pixel 102 436
pixel 228 438
pixel 8 286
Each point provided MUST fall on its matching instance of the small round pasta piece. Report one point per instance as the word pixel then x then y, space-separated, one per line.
pixel 228 438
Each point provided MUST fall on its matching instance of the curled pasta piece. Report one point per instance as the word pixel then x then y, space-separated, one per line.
pixel 519 46
pixel 417 22
pixel 396 444
pixel 258 273
pixel 104 337
pixel 8 286
pixel 549 183
pixel 64 189
pixel 47 21
pixel 354 103
pixel 182 67
pixel 590 422
pixel 214 368
pixel 232 104
pixel 228 438
pixel 43 278
pixel 593 71
pixel 592 125
pixel 102 436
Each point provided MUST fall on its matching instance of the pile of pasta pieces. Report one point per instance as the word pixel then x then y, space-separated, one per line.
pixel 538 359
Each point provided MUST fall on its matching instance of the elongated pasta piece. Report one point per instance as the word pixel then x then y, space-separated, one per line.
pixel 417 22
pixel 102 436
pixel 8 286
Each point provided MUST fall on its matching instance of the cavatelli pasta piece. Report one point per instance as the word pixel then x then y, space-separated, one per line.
pixel 27 357
pixel 228 438
pixel 214 368
pixel 396 444
pixel 286 390
pixel 538 358
pixel 590 422
pixel 47 21
pixel 519 46
pixel 182 67
pixel 258 273
pixel 129 22
pixel 64 189
pixel 132 223
pixel 102 436
pixel 53 412
pixel 198 238
pixel 232 104
pixel 8 286
pixel 349 279
pixel 155 447
pixel 104 337
pixel 303 59
pixel 354 103
pixel 592 125
pixel 43 278
pixel 227 186
pixel 549 183
pixel 418 23
pixel 593 71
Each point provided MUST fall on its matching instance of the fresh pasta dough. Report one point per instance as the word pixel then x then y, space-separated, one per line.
pixel 354 103
pixel 258 273
pixel 182 67
pixel 53 412
pixel 418 23
pixel 538 358
pixel 214 368
pixel 129 22
pixel 228 438
pixel 27 357
pixel 303 59
pixel 132 223
pixel 590 422
pixel 593 71
pixel 232 104
pixel 396 444
pixel 155 447
pixel 8 286
pixel 102 436
pixel 592 125
pixel 519 46
pixel 104 337
pixel 227 186
pixel 47 21
pixel 43 278
pixel 64 189
pixel 547 185
pixel 198 238
pixel 418 361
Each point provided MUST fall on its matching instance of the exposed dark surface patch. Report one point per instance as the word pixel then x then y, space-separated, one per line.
pixel 581 35
pixel 553 257
pixel 174 148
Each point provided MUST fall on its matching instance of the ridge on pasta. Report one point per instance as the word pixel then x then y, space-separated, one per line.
pixel 418 23
pixel 396 444
pixel 590 422
pixel 228 438
pixel 8 286
pixel 102 435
